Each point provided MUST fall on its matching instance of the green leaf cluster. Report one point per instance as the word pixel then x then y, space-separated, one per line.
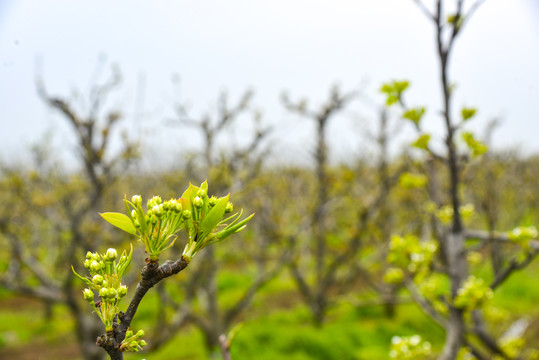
pixel 411 254
pixel 467 113
pixel 522 235
pixel 412 181
pixel 414 114
pixel 476 147
pixel 445 213
pixel 473 293
pixel 394 90
pixel 422 142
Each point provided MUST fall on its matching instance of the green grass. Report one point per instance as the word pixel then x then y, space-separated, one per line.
pixel 22 322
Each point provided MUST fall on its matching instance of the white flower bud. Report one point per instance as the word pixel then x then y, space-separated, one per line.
pixel 88 295
pixel 103 293
pixel 156 200
pixel 186 214
pixel 98 279
pixel 158 210
pixel 95 266
pixel 177 206
pixel 112 293
pixel 198 202
pixel 111 254
pixel 136 199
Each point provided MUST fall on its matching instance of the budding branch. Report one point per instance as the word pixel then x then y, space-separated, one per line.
pixel 151 274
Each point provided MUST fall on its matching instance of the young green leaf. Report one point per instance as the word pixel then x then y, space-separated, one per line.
pixel 468 113
pixel 84 279
pixel 422 142
pixel 120 221
pixel 204 186
pixel 221 235
pixel 123 263
pixel 414 115
pixel 213 218
pixel 190 191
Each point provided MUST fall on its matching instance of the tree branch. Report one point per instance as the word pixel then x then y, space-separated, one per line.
pixel 151 274
pixel 424 304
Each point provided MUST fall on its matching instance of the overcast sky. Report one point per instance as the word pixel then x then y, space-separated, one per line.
pixel 301 46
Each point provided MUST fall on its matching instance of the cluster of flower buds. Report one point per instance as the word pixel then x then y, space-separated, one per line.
pixel 410 254
pixel 445 213
pixel 106 271
pixel 202 217
pixel 522 235
pixel 133 342
pixel 208 224
pixel 473 293
pixel 157 226
pixel 409 347
pixel 394 275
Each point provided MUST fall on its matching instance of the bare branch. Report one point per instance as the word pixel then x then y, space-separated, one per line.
pixel 424 304
pixel 466 17
pixel 425 10
pixel 514 265
pixel 301 282
pixel 481 331
pixel 495 236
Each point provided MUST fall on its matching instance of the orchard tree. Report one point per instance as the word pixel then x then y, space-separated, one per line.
pixel 346 217
pixel 231 169
pixel 374 192
pixel 48 217
pixel 440 273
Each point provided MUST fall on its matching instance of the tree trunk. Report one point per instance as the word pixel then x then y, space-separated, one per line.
pixel 211 340
pixel 454 339
pixel 318 308
pixel 458 271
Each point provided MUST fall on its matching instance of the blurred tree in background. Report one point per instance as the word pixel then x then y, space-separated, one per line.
pixel 49 215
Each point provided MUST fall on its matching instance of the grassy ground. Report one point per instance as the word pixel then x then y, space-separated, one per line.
pixel 283 332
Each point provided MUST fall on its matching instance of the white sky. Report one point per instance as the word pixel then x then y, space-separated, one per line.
pixel 302 46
